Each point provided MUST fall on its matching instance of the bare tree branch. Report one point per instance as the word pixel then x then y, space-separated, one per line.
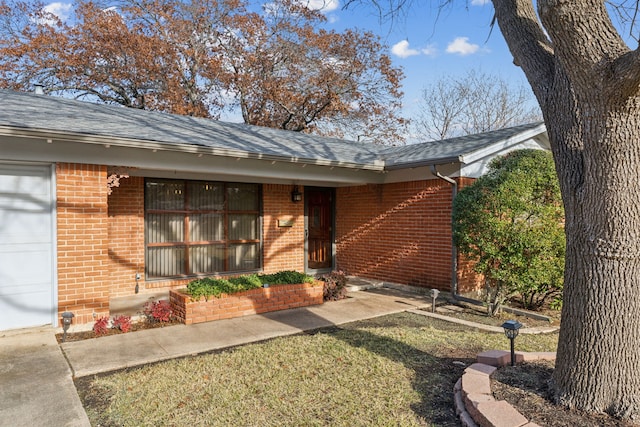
pixel 477 102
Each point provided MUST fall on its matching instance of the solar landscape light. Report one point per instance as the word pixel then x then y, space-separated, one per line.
pixel 434 296
pixel 66 322
pixel 511 330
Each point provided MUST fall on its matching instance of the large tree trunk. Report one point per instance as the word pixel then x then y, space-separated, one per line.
pixel 587 84
pixel 599 346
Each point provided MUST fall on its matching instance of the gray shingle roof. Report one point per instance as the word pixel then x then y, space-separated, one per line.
pixel 65 116
pixel 50 113
pixel 449 150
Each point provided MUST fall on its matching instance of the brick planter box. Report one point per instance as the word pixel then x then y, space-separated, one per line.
pixel 261 300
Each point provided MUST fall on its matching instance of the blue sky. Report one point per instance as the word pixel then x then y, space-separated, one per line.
pixel 426 44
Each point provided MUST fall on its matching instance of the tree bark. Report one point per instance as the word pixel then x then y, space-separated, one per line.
pixel 598 350
pixel 587 84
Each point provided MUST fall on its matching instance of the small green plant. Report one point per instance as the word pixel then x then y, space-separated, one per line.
pixel 101 327
pixel 123 323
pixel 556 304
pixel 334 285
pixel 287 277
pixel 158 311
pixel 208 287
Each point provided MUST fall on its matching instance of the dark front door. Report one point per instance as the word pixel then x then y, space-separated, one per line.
pixel 319 228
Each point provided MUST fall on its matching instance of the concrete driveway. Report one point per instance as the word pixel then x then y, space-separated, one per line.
pixel 36 386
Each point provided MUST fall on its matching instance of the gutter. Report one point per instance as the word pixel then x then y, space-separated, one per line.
pixel 454 251
pixel 431 163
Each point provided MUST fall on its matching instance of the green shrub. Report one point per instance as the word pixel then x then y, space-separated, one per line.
pixel 510 223
pixel 208 287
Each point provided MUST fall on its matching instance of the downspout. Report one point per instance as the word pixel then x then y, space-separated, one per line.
pixel 454 251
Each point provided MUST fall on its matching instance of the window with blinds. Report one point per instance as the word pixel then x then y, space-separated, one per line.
pixel 198 227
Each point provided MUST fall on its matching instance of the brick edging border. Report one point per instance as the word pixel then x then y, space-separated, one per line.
pixel 473 399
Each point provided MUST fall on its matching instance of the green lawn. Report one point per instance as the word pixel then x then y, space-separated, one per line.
pixel 392 371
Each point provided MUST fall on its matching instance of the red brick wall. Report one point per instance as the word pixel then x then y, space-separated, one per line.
pixel 283 246
pixel 262 300
pixel 83 261
pixel 398 232
pixel 126 236
pixel 395 232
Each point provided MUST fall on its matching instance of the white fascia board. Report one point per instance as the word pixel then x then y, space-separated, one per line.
pixel 481 166
pixel 505 144
pixel 154 146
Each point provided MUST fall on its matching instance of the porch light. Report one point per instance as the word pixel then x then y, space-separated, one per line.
pixel 296 195
pixel 66 322
pixel 511 330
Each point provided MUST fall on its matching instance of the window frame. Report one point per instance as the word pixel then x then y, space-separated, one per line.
pixel 187 243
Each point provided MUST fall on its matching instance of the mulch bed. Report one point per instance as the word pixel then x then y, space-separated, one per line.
pixel 479 314
pixel 139 326
pixel 527 387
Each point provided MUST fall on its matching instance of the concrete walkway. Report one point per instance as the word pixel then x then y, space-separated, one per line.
pixel 114 352
pixel 36 374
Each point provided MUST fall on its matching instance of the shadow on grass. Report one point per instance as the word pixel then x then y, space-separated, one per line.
pixel 434 377
pixel 396 338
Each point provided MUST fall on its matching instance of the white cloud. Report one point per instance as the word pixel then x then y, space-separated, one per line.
pixel 461 46
pixel 402 49
pixel 332 18
pixel 479 2
pixel 430 50
pixel 61 10
pixel 323 6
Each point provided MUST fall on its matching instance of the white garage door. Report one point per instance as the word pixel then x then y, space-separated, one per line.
pixel 26 246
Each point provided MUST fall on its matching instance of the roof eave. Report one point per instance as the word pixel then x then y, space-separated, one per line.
pixel 107 141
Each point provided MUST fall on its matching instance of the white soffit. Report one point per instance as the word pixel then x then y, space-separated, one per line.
pixel 503 145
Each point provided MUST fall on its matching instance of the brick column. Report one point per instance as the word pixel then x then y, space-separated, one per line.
pixel 126 236
pixel 283 246
pixel 82 223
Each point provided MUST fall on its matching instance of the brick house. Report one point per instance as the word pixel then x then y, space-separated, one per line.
pixel 98 202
